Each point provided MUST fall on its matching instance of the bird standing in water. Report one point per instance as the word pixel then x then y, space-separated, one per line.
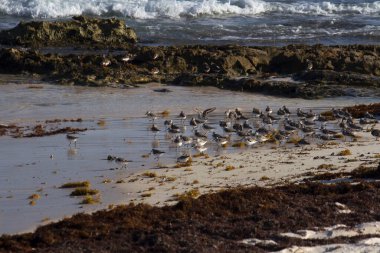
pixel 72 138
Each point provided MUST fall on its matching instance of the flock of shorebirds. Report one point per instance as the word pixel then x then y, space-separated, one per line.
pixel 257 127
pixel 253 128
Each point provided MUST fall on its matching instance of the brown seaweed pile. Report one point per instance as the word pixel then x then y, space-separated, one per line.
pixel 211 223
pixel 358 111
pixel 51 127
pixel 362 172
pixel 41 131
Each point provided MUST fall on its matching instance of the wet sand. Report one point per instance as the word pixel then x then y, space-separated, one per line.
pixel 292 218
pixel 121 130
pixel 259 166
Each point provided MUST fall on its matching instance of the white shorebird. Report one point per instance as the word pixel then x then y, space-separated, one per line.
pixel 203 114
pixel 168 122
pixel 256 112
pixel 311 115
pixel 309 66
pixel 261 138
pixel 182 116
pixel 200 149
pixel 151 115
pixel 238 112
pixel 72 138
pixel 157 153
pixel 230 114
pixel 186 140
pixel 300 113
pixel 155 56
pixel 268 110
pixel 221 142
pixel 193 123
pixel 178 141
pixel 122 161
pixel 286 110
pixel 106 62
pixel 128 57
pixel 206 67
pixel 154 71
pixel 267 120
pixel 368 115
pixel 219 139
pixel 183 159
pixel 349 132
pixel 326 131
pixel 249 141
pixel 200 142
pixel 154 128
pixel 281 112
pixel 246 125
pixel 173 128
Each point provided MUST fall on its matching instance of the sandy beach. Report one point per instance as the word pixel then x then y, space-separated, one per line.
pixel 123 131
pixel 233 202
pixel 258 166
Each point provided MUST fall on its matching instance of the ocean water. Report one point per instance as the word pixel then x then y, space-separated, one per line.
pixel 247 22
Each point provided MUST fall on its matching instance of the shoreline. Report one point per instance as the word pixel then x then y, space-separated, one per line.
pixel 294 71
pixel 266 170
pixel 267 167
pixel 158 188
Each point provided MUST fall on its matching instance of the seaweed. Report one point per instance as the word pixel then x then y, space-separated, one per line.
pixel 78 184
pixel 83 191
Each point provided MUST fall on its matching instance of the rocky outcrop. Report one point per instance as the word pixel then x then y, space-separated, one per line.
pixel 292 71
pixel 275 87
pixel 361 59
pixel 338 77
pixel 81 31
pixel 240 68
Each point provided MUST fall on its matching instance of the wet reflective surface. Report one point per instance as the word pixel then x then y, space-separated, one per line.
pixel 117 126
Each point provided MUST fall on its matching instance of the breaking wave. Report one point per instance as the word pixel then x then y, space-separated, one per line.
pixel 151 9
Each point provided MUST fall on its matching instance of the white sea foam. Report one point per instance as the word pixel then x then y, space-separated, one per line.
pixel 371 245
pixel 148 9
pixel 369 228
pixel 368 245
pixel 329 8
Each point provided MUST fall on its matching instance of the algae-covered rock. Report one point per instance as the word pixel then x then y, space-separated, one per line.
pixel 288 62
pixel 80 31
pixel 283 71
pixel 237 65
